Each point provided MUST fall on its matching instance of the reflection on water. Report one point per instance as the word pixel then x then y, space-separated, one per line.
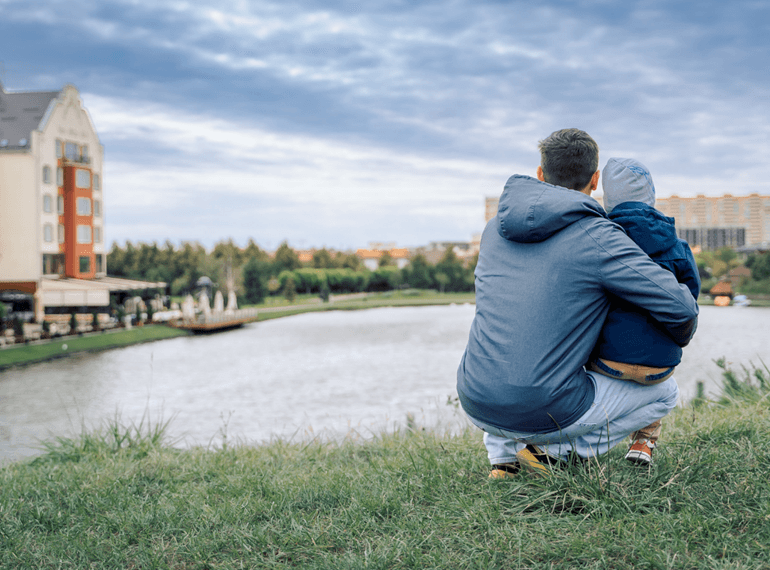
pixel 296 377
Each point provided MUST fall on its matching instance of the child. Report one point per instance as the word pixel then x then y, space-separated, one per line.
pixel 632 346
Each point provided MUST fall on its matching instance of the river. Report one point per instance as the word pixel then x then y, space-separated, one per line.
pixel 329 375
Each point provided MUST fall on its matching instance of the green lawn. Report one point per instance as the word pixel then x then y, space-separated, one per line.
pixel 28 353
pixel 123 498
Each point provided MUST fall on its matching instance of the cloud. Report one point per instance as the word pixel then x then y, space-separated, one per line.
pixel 318 118
pixel 195 162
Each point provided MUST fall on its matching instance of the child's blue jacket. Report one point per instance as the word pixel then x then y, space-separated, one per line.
pixel 630 334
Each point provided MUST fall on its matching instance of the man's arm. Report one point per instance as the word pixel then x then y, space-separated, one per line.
pixel 628 273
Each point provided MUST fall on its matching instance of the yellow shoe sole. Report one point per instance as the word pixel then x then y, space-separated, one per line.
pixel 531 463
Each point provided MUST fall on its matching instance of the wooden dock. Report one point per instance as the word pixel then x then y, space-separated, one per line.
pixel 216 322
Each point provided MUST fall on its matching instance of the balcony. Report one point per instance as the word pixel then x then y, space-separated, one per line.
pixel 77 160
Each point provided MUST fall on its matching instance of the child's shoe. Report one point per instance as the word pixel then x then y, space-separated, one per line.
pixel 640 451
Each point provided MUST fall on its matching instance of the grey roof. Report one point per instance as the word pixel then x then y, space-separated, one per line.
pixel 20 114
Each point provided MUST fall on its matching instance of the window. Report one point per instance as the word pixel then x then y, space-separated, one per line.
pixel 84 234
pixel 60 233
pixel 97 208
pixel 58 148
pixel 47 203
pixel 59 177
pixel 71 151
pixel 55 262
pixel 83 178
pixel 97 182
pixel 84 153
pixel 48 233
pixel 97 234
pixel 99 263
pixel 83 207
pixel 60 205
pixel 46 174
pixel 85 264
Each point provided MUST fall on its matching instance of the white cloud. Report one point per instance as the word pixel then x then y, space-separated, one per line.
pixel 211 159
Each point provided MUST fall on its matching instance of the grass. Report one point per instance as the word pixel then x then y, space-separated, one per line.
pixel 123 498
pixel 37 352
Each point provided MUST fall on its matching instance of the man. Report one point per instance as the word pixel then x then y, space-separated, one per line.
pixel 549 264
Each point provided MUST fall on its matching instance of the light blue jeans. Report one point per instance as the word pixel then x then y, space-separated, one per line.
pixel 620 408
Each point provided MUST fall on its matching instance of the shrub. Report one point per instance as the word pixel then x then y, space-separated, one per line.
pixel 18 326
pixel 289 289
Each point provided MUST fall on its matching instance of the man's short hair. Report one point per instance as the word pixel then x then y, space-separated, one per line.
pixel 569 158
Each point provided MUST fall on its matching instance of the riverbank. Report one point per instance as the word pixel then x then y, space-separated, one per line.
pixel 61 347
pixel 124 498
pixel 39 351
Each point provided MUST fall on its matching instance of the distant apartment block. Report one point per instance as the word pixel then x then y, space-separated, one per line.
pixel 724 221
pixel 709 222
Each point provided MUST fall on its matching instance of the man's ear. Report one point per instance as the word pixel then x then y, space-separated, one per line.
pixel 595 181
pixel 540 176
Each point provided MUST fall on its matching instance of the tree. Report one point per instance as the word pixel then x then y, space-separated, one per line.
pixel 286 259
pixel 384 279
pixel 228 252
pixel 289 290
pixel 727 254
pixel 386 260
pixel 442 279
pixel 322 259
pixel 759 263
pixel 418 273
pixel 254 251
pixel 255 275
pixel 453 268
pixel 350 261
pixel 116 260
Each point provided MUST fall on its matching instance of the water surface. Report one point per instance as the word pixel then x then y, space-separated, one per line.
pixel 332 374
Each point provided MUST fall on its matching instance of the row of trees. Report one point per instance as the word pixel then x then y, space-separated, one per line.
pixel 714 265
pixel 257 275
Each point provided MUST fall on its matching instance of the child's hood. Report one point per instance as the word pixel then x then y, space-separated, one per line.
pixel 626 180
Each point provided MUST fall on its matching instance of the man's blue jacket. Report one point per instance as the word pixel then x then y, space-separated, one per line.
pixel 547 267
pixel 629 334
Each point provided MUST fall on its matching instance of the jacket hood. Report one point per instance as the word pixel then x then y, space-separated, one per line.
pixel 626 180
pixel 532 211
pixel 651 230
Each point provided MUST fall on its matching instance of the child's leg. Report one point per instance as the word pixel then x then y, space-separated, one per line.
pixel 651 432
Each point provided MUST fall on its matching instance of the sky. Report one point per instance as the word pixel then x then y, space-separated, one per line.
pixel 338 123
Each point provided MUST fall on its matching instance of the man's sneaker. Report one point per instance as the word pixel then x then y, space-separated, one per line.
pixel 640 451
pixel 536 461
pixel 504 470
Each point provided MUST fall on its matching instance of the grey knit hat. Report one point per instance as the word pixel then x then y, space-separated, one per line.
pixel 626 180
